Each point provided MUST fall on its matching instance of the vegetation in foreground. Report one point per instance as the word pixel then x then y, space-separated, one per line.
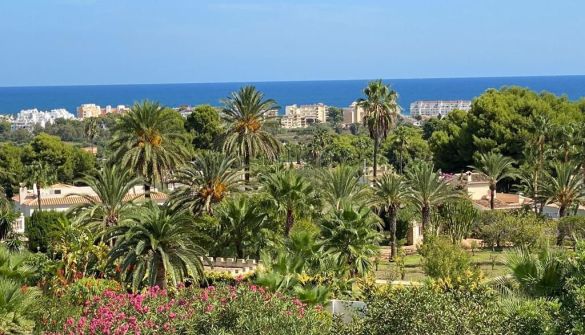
pixel 128 265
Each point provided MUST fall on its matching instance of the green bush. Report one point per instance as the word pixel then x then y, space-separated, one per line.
pixel 572 227
pixel 533 317
pixel 427 310
pixel 442 259
pixel 36 228
pixel 526 230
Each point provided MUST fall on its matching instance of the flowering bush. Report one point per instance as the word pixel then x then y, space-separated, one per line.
pixel 242 309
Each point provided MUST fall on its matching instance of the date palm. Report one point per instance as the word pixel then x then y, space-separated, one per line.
pixel 112 201
pixel 495 167
pixel 157 246
pixel 380 112
pixel 428 190
pixel 391 192
pixel 245 112
pixel 288 192
pixel 90 130
pixel 563 186
pixel 206 181
pixel 151 141
pixel 41 174
pixel 341 186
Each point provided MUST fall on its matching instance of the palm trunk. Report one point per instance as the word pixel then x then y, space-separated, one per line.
pixel 247 165
pixel 238 246
pixel 492 196
pixel 161 277
pixel 426 219
pixel 147 190
pixel 376 145
pixel 290 220
pixel 39 196
pixel 392 220
pixel 562 211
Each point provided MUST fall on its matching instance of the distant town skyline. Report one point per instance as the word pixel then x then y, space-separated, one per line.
pixel 93 42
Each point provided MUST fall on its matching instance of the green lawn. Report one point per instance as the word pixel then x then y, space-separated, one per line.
pixel 414 272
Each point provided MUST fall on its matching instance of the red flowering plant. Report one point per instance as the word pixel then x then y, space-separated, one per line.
pixel 229 309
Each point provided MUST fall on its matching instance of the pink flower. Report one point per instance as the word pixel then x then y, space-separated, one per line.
pixel 172 315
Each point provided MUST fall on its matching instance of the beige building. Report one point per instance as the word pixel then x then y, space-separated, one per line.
pixel 304 115
pixel 353 114
pixel 438 107
pixel 88 110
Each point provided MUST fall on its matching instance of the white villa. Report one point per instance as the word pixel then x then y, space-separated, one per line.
pixel 438 107
pixel 62 197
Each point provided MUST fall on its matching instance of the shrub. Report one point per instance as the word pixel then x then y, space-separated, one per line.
pixel 427 310
pixel 243 309
pixel 519 229
pixel 572 227
pixel 533 317
pixel 36 228
pixel 443 259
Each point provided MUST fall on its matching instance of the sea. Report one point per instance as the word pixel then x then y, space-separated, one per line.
pixel 338 93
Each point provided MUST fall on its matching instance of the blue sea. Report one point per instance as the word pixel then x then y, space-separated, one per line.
pixel 335 93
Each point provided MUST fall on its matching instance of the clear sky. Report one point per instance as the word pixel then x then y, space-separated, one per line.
pixel 52 42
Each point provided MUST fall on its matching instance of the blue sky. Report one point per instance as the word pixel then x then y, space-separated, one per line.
pixel 52 42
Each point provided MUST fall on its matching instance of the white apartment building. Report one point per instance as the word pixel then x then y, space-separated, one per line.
pixel 29 118
pixel 437 107
pixel 304 115
pixel 353 114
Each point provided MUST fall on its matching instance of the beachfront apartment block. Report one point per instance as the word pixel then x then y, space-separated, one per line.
pixel 304 115
pixel 437 107
pixel 30 118
pixel 353 114
pixel 93 110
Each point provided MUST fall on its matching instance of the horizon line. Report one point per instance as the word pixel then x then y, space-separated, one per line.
pixel 291 81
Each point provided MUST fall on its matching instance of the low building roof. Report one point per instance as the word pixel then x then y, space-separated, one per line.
pixel 78 200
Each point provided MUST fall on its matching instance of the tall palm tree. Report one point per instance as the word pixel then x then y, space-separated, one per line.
pixel 240 223
pixel 206 181
pixel 157 246
pixel 563 186
pixel 112 186
pixel 380 112
pixel 341 186
pixel 90 130
pixel 245 112
pixel 428 190
pixel 350 236
pixel 41 174
pixel 151 141
pixel 288 191
pixel 392 191
pixel 495 167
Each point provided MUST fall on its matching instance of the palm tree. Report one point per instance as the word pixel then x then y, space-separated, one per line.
pixel 7 217
pixel 41 174
pixel 380 111
pixel 350 236
pixel 157 245
pixel 240 223
pixel 564 186
pixel 206 181
pixel 288 191
pixel 245 112
pixel 341 186
pixel 392 191
pixel 112 186
pixel 151 141
pixel 428 190
pixel 495 167
pixel 90 130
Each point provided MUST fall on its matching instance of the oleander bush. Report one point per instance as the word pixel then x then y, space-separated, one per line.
pixel 242 309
